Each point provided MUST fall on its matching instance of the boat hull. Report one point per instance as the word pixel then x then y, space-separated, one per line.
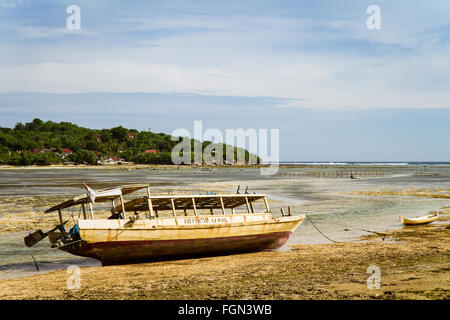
pixel 140 245
pixel 418 221
pixel 120 252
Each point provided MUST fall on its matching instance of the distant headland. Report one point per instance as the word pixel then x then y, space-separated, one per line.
pixel 50 143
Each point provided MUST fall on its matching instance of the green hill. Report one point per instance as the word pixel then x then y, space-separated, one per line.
pixel 45 143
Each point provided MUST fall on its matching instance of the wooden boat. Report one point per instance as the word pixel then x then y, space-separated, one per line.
pixel 419 220
pixel 159 227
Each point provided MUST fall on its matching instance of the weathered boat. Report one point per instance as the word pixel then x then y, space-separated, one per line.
pixel 159 227
pixel 419 220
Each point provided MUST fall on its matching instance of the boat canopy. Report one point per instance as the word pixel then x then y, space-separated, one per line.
pixel 103 195
pixel 187 202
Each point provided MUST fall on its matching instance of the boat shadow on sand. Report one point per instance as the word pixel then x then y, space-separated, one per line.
pixel 25 269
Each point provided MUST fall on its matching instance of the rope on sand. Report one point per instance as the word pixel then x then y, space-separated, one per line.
pixel 319 230
pixel 35 263
pixel 380 234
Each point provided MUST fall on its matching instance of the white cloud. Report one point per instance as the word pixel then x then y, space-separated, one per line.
pixel 46 32
pixel 129 76
pixel 324 85
pixel 324 62
pixel 11 3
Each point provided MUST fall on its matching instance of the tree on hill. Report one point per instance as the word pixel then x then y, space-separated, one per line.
pixel 48 139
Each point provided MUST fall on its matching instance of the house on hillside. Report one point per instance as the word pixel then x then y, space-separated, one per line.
pixel 38 150
pixel 110 161
pixel 66 151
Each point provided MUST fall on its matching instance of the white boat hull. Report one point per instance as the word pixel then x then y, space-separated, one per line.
pixel 419 220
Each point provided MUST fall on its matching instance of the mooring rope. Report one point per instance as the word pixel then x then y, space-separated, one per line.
pixel 35 263
pixel 380 234
pixel 319 230
pixel 48 249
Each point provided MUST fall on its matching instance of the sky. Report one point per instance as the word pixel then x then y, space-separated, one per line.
pixel 335 89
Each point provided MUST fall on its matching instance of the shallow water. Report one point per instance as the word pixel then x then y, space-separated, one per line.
pixel 327 201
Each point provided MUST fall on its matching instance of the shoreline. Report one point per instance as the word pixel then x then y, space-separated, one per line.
pixel 414 264
pixel 360 168
pixel 129 166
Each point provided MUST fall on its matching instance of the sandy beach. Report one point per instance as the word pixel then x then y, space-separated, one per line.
pixel 414 264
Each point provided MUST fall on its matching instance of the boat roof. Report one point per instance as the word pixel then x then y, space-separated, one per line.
pixel 102 195
pixel 185 202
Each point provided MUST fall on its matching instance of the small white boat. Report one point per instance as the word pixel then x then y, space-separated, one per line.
pixel 419 220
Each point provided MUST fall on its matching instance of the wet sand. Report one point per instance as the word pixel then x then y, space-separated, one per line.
pixel 414 264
